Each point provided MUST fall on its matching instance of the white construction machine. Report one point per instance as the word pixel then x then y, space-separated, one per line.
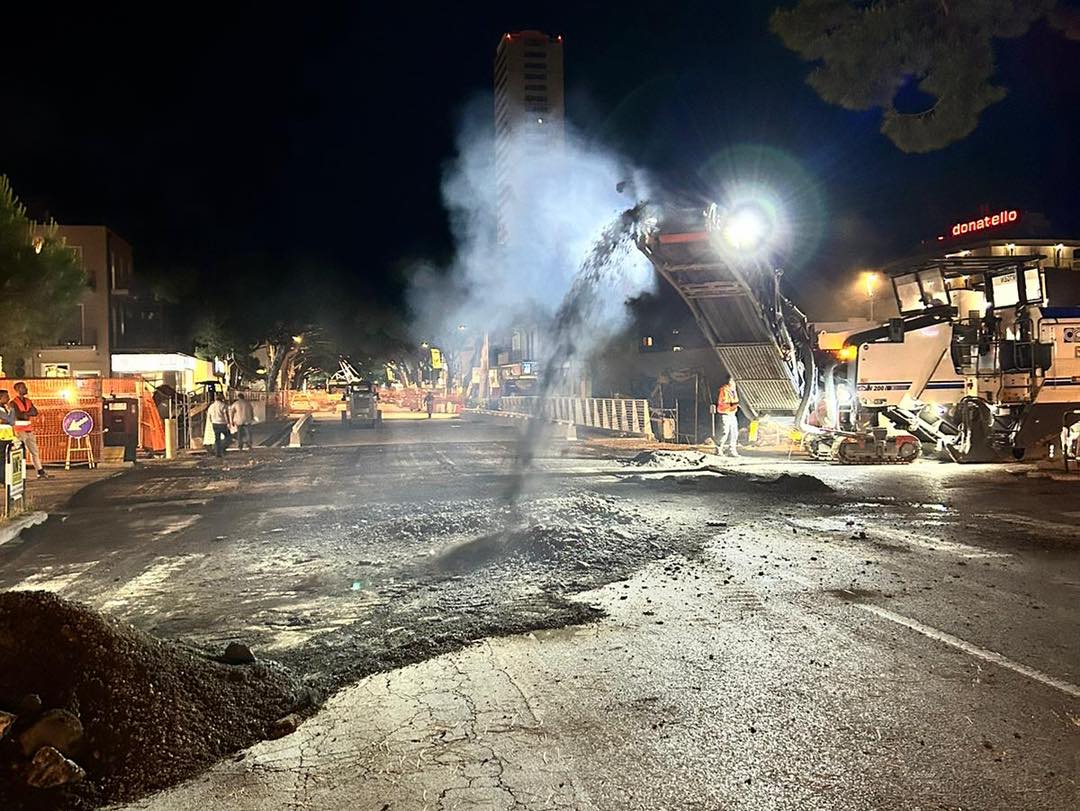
pixel 984 360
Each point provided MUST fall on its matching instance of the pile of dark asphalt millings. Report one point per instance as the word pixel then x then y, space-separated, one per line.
pixel 93 711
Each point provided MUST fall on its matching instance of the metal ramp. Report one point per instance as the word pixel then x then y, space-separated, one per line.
pixel 759 336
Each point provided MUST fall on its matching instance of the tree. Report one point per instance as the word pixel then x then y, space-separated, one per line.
pixel 867 51
pixel 40 278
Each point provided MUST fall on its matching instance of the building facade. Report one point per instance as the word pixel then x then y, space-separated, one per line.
pixel 530 113
pixel 110 317
pixel 530 124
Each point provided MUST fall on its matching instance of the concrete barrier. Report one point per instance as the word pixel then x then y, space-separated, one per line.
pixel 301 428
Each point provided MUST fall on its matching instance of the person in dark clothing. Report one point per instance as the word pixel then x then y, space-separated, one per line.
pixel 429 403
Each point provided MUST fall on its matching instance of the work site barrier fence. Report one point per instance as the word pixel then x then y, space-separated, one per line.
pixel 412 399
pixel 609 414
pixel 56 396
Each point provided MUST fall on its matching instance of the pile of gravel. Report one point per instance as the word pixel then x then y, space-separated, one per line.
pixel 578 531
pixel 99 712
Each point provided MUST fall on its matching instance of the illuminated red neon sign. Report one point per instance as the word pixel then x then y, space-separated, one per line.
pixel 1006 217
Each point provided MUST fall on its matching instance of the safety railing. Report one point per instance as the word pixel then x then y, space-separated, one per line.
pixel 622 416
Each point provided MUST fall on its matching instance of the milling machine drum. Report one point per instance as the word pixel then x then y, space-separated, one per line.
pixel 975 422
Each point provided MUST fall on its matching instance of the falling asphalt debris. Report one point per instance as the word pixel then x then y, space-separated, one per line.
pixel 124 713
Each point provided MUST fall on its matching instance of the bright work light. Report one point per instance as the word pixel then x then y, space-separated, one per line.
pixel 746 228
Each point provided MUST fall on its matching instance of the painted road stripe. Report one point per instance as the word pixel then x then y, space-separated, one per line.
pixel 973 650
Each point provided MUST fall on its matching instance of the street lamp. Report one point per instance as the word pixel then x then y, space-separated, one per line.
pixel 870 281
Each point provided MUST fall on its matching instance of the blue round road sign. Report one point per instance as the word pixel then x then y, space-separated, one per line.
pixel 77 424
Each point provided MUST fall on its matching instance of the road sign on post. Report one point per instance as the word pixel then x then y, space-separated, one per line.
pixel 77 425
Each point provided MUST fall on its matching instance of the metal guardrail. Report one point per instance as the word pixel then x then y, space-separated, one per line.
pixel 609 414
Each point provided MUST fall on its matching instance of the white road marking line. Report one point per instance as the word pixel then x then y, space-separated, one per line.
pixel 151 581
pixel 972 650
pixel 177 525
pixel 53 579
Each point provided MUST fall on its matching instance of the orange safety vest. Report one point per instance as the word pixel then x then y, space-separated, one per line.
pixel 23 404
pixel 727 401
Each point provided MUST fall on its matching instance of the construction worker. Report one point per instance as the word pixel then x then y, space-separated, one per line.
pixel 242 416
pixel 727 406
pixel 25 409
pixel 218 415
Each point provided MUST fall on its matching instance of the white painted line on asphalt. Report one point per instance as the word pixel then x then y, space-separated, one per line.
pixel 53 579
pixel 151 581
pixel 972 650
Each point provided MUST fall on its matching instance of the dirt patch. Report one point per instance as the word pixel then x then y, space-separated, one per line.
pixel 152 712
pixel 782 486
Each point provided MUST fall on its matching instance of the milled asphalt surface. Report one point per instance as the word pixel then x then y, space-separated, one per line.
pixel 908 641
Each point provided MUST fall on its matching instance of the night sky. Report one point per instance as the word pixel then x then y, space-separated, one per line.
pixel 320 130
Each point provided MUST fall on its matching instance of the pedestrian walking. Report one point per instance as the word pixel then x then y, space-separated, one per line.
pixel 429 403
pixel 727 406
pixel 25 411
pixel 218 414
pixel 242 416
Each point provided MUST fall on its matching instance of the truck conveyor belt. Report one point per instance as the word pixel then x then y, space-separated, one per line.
pixel 736 314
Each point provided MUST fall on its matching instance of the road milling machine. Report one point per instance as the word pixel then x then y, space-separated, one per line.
pixel 983 362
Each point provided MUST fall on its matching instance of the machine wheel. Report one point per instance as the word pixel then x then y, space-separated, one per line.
pixel 973 438
pixel 908 451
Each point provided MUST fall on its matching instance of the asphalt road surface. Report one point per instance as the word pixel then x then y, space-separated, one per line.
pixel 624 637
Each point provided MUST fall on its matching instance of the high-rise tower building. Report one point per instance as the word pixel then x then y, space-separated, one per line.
pixel 529 111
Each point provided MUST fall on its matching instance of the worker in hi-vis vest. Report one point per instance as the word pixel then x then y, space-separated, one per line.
pixel 727 406
pixel 7 429
pixel 25 410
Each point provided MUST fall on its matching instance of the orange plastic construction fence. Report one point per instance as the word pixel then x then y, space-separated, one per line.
pixel 56 396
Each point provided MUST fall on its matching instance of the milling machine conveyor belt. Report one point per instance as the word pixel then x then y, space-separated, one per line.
pixel 740 314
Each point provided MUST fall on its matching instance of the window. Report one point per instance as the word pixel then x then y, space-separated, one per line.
pixel 536 108
pixel 536 77
pixel 56 370
pixel 535 55
pixel 73 333
pixel 541 99
pixel 536 88
pixel 535 66
pixel 1032 285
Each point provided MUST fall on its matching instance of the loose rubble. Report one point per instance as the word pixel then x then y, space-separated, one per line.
pixel 93 711
pixel 668 460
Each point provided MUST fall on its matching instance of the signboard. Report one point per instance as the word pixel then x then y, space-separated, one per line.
pixel 77 424
pixel 151 363
pixel 14 475
pixel 436 358
pixel 1006 217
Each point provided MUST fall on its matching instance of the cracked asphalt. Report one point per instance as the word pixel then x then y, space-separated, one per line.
pixel 627 639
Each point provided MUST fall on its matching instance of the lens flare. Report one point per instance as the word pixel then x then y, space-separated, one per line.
pixel 746 228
